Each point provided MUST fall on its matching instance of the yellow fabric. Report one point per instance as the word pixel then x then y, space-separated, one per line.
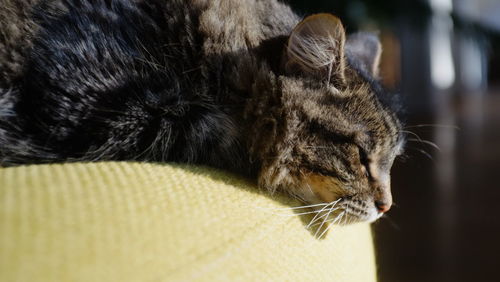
pixel 150 222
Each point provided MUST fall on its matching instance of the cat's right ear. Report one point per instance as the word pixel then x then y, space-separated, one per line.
pixel 316 47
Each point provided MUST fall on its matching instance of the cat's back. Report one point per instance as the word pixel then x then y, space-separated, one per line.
pixel 232 25
pixel 224 25
pixel 105 79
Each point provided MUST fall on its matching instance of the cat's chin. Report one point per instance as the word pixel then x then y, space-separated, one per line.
pixel 350 218
pixel 374 217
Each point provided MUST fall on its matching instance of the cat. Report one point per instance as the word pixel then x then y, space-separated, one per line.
pixel 243 85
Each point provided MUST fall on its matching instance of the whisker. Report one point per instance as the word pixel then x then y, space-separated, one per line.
pixel 392 222
pixel 329 220
pixel 324 220
pixel 351 220
pixel 423 152
pixel 315 218
pixel 433 125
pixel 298 197
pixel 298 214
pixel 308 186
pixel 412 133
pixel 345 219
pixel 318 223
pixel 338 218
pixel 298 207
pixel 432 144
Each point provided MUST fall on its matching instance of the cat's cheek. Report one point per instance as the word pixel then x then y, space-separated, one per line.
pixel 326 189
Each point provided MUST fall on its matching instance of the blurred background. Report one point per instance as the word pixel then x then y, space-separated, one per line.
pixel 443 58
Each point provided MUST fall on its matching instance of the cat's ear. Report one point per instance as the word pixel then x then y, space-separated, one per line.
pixel 316 47
pixel 366 49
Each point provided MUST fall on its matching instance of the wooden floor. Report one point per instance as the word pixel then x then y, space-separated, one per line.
pixel 446 222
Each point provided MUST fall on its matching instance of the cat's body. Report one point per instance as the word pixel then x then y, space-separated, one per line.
pixel 224 83
pixel 152 81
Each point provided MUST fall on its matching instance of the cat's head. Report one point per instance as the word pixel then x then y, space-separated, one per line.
pixel 331 137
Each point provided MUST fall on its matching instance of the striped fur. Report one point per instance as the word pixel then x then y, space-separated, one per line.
pixel 242 85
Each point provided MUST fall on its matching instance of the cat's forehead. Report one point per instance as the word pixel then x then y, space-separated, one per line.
pixel 378 126
pixel 355 110
pixel 383 130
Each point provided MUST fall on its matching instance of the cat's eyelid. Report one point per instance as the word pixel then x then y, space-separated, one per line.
pixel 363 150
pixel 363 156
pixel 365 161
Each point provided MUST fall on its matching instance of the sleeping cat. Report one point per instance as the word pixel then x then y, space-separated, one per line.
pixel 243 85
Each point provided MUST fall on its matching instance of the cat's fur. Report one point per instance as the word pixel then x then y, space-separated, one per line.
pixel 235 84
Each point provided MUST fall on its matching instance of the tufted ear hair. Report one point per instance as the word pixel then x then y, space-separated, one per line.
pixel 365 49
pixel 316 47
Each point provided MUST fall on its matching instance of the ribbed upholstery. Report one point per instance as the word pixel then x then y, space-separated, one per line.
pixel 150 222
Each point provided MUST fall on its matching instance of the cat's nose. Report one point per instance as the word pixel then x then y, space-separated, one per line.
pixel 382 206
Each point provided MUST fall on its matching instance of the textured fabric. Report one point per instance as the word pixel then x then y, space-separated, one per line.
pixel 147 222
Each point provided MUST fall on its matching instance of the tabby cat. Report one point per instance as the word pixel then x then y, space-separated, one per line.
pixel 243 85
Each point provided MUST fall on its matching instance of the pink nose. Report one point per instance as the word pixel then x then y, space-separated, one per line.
pixel 382 206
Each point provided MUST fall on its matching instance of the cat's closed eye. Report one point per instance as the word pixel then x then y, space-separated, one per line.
pixel 364 161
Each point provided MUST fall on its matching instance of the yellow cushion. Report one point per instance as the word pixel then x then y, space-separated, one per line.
pixel 152 222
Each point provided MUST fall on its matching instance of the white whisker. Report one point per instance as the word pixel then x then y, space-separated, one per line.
pixel 315 218
pixel 297 214
pixel 412 133
pixel 295 208
pixel 345 219
pixel 432 144
pixel 422 152
pixel 308 186
pixel 433 125
pixel 318 223
pixel 324 220
pixel 338 218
